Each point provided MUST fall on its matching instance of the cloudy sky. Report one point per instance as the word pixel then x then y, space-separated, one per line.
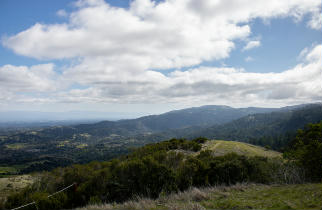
pixel 153 56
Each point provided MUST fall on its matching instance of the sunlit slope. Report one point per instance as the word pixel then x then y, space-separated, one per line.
pixel 220 147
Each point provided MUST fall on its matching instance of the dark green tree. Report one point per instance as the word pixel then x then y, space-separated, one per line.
pixel 306 149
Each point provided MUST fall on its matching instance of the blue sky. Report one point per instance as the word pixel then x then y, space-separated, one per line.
pixel 154 56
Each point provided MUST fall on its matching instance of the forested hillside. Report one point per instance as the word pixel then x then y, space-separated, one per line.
pixel 163 167
pixel 172 166
pixel 46 149
pixel 274 129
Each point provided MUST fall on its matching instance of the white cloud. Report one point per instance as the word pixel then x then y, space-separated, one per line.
pixel 38 78
pixel 117 50
pixel 251 45
pixel 300 84
pixel 316 20
pixel 28 84
pixel 62 13
pixel 121 84
pixel 169 34
pixel 249 59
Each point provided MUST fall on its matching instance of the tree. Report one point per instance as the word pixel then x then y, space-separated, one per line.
pixel 306 149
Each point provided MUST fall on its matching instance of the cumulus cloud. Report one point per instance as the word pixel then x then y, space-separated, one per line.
pixel 120 54
pixel 61 13
pixel 316 20
pixel 251 45
pixel 39 78
pixel 206 85
pixel 27 84
pixel 168 34
pixel 249 59
pixel 300 84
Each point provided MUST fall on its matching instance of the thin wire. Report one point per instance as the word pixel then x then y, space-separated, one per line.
pixel 28 204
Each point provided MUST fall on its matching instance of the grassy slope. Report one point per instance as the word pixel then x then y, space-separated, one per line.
pixel 304 196
pixel 223 147
pixel 12 184
pixel 220 147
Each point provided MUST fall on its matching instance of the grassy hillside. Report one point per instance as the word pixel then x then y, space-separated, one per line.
pixel 13 184
pixel 221 147
pixel 240 196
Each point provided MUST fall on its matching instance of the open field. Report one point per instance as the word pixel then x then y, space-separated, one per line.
pixel 240 196
pixel 12 184
pixel 16 146
pixel 220 147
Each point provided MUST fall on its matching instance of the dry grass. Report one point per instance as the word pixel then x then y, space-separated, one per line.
pixel 14 183
pixel 220 147
pixel 239 196
pixel 188 200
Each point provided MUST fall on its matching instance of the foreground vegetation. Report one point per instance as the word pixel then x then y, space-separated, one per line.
pixel 150 171
pixel 11 184
pixel 239 196
pixel 174 166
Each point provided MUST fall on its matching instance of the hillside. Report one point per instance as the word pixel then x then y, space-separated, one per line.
pixel 158 171
pixel 220 147
pixel 240 196
pixel 196 116
pixel 46 149
pixel 168 166
pixel 275 129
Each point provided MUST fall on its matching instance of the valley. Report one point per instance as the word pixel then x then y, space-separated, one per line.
pixel 114 161
pixel 160 104
pixel 48 148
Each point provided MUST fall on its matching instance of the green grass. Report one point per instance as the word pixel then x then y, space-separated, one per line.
pixel 307 196
pixel 240 196
pixel 220 147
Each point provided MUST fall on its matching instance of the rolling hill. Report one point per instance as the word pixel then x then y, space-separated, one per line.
pixel 197 116
pixel 221 147
pixel 47 148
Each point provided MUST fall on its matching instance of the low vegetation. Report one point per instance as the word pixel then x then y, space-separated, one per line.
pixel 150 171
pixel 239 196
pixel 14 184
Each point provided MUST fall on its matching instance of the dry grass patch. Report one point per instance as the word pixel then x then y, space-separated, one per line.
pixel 239 196
pixel 220 147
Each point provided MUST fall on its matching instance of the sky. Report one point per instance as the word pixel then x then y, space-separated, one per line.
pixel 146 56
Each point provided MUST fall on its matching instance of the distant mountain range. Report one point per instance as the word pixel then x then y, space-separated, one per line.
pixel 54 146
pixel 197 116
pixel 32 117
pixel 268 127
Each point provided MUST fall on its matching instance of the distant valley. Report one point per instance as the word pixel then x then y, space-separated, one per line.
pixel 48 148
